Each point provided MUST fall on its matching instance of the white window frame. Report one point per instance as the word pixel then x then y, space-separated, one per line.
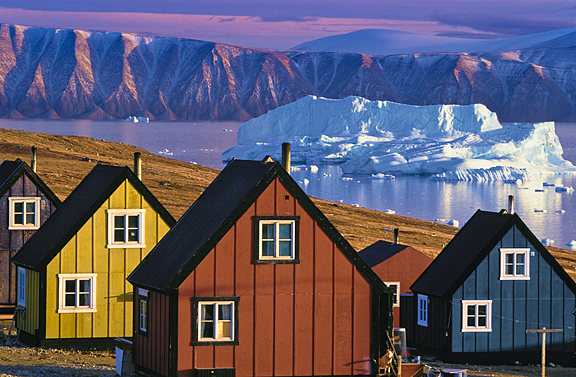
pixel 21 286
pixel 397 285
pixel 277 240
pixel 24 199
pixel 62 308
pixel 422 310
pixel 503 264
pixel 216 320
pixel 143 298
pixel 126 213
pixel 476 303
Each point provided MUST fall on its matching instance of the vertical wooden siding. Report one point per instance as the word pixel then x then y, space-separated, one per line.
pixel 87 253
pixel 32 319
pixel 12 240
pixel 311 318
pixel 517 305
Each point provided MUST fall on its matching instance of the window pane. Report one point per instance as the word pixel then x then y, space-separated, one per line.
pixel 19 207
pixel 30 207
pixel 70 286
pixel 18 218
pixel 471 321
pixel 285 248
pixel 471 310
pixel 268 231
pixel 509 258
pixel 30 218
pixel 520 258
pixel 119 235
pixel 509 270
pixel 520 269
pixel 481 321
pixel 482 310
pixel 133 235
pixel 84 299
pixel 118 221
pixel 207 312
pixel 224 312
pixel 133 221
pixel 285 231
pixel 207 330
pixel 84 286
pixel 267 248
pixel 224 329
pixel 70 299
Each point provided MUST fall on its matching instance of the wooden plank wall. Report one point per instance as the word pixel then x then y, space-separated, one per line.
pixel 12 240
pixel 311 318
pixel 517 305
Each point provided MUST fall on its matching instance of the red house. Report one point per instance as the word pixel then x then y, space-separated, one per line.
pixel 255 281
pixel 398 266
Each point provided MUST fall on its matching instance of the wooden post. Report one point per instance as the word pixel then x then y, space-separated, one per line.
pixel 544 331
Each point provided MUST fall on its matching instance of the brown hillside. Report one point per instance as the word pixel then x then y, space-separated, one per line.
pixel 63 161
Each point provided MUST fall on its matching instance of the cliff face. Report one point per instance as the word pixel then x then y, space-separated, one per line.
pixel 54 73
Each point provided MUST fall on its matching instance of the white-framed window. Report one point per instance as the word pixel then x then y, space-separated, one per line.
pixel 77 293
pixel 143 310
pixel 396 297
pixel 476 315
pixel 216 321
pixel 24 213
pixel 277 239
pixel 21 286
pixel 514 264
pixel 423 310
pixel 126 228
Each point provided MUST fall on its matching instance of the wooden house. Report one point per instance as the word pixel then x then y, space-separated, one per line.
pixel 398 266
pixel 26 202
pixel 76 264
pixel 489 285
pixel 255 281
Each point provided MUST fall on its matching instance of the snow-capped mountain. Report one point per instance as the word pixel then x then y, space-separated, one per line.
pixel 377 137
pixel 102 75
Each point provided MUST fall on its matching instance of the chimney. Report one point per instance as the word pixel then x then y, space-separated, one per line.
pixel 33 160
pixel 138 164
pixel 396 231
pixel 511 204
pixel 286 156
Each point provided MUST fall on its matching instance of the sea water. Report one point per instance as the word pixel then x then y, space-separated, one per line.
pixel 548 214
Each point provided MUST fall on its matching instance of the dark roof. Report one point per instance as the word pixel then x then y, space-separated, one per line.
pixel 379 251
pixel 214 213
pixel 80 205
pixel 470 246
pixel 10 171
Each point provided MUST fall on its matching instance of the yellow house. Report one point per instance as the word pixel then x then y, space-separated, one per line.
pixel 73 284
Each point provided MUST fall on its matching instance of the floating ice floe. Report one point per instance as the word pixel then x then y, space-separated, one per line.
pixel 382 176
pixel 550 184
pixel 449 142
pixel 547 242
pixel 564 189
pixel 541 190
pixel 540 210
pixel 314 168
pixel 165 152
pixel 455 223
pixel 561 211
pixel 390 211
pixel 571 244
pixel 347 178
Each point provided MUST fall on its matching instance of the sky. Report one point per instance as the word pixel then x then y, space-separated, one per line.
pixel 284 24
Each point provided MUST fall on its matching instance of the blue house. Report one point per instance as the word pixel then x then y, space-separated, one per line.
pixel 489 285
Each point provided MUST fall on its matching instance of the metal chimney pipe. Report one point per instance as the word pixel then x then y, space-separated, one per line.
pixel 138 164
pixel 511 204
pixel 396 232
pixel 286 156
pixel 33 159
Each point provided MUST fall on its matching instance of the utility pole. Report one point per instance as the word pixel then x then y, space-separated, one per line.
pixel 544 331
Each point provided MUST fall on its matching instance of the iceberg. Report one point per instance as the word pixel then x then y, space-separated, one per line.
pixel 447 142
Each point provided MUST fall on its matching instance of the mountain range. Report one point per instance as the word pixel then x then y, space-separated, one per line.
pixel 62 73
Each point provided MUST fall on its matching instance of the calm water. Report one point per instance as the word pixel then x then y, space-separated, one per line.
pixel 204 142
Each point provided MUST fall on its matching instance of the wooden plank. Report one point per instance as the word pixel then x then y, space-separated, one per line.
pixel 265 204
pixel 545 304
pixel 557 312
pixel 494 287
pixel 569 320
pixel 224 254
pixel 224 357
pixel 84 325
pixel 133 197
pixel 185 336
pixel 304 271
pixel 101 253
pixel 343 330
pixel 132 260
pixel 284 333
pixel 284 200
pixel 102 299
pixel 4 232
pixel 508 239
pixel 5 276
pixel 303 331
pixel 520 315
pixel 118 198
pixel 84 255
pixel 244 356
pixel 205 276
pixel 323 334
pixel 67 325
pixel 116 304
pixel 152 232
pixel 361 342
pixel 263 335
pixel 456 320
pixel 244 243
pixel 52 317
pixel 323 263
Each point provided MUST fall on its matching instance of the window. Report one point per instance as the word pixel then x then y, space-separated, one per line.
pixel 216 320
pixel 143 310
pixel 24 213
pixel 396 297
pixel 514 264
pixel 21 286
pixel 126 228
pixel 476 316
pixel 423 310
pixel 77 293
pixel 276 240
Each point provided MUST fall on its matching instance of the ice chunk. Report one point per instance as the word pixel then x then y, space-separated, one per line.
pixel 314 168
pixel 383 176
pixel 540 210
pixel 454 223
pixel 547 242
pixel 390 211
pixel 564 189
pixel 571 244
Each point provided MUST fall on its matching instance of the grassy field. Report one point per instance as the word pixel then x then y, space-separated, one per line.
pixel 63 161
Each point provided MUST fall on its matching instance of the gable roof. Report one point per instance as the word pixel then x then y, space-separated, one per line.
pixel 80 206
pixel 470 246
pixel 221 205
pixel 11 171
pixel 380 251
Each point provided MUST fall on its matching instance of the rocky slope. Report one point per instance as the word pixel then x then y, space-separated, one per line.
pixel 56 73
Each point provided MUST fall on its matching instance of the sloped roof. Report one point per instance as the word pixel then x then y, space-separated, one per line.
pixel 214 213
pixel 10 171
pixel 380 251
pixel 470 246
pixel 80 205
